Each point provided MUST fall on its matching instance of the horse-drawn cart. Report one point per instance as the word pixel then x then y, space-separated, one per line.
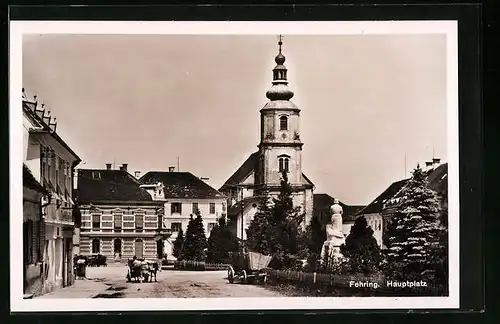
pixel 248 266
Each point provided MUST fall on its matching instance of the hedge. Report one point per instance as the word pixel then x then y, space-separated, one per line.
pixel 320 281
pixel 199 266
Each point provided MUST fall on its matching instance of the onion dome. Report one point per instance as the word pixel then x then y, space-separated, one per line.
pixel 279 89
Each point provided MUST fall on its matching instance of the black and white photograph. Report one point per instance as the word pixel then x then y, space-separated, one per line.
pixel 234 165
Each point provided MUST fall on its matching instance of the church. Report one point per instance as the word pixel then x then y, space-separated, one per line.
pixel 280 149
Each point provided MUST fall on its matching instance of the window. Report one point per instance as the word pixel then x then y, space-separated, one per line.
pixel 96 246
pixel 176 208
pixel 118 222
pixel 175 227
pixel 283 123
pixel 195 207
pixel 284 164
pixel 139 222
pixel 28 241
pixel 96 221
pixel 212 208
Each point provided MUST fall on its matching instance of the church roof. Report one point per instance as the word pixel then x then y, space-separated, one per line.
pixel 243 171
pixel 181 185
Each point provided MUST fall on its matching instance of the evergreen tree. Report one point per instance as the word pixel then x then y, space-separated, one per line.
pixel 287 219
pixel 315 236
pixel 260 237
pixel 276 228
pixel 195 241
pixel 178 245
pixel 361 248
pixel 220 243
pixel 414 234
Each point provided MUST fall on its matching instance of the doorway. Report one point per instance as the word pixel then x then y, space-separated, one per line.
pixel 139 248
pixel 159 249
pixel 117 249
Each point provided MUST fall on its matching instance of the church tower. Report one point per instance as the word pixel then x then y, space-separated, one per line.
pixel 280 146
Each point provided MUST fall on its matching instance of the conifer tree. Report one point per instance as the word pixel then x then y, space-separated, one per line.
pixel 361 248
pixel 195 241
pixel 220 243
pixel 414 234
pixel 315 236
pixel 260 237
pixel 178 245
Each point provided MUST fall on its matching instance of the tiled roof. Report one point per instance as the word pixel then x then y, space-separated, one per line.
pixel 181 185
pixel 437 180
pixel 30 182
pixel 243 171
pixel 323 202
pixel 109 185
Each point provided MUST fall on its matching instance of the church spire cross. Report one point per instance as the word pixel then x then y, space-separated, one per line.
pixel 280 42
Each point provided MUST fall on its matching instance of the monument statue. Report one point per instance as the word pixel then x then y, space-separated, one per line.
pixel 334 235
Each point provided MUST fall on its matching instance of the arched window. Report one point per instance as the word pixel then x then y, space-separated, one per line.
pixel 96 246
pixel 283 164
pixel 283 123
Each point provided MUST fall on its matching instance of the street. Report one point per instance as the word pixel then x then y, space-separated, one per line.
pixel 110 282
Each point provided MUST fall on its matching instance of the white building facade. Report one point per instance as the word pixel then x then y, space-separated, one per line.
pixel 183 194
pixel 51 162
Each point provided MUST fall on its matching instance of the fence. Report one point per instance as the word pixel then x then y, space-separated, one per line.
pixel 323 278
pixel 200 266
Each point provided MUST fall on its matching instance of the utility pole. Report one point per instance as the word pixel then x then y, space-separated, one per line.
pixel 242 210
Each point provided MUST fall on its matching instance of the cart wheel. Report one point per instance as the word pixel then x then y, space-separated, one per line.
pixel 230 274
pixel 244 275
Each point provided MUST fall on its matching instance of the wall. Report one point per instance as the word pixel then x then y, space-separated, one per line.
pixel 272 174
pixel 375 222
pixel 187 210
pixel 128 246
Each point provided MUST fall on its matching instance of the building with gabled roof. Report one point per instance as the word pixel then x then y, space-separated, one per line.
pixel 280 150
pixel 182 194
pixel 48 166
pixel 379 211
pixel 119 219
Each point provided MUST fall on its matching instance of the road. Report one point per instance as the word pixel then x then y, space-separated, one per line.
pixel 173 283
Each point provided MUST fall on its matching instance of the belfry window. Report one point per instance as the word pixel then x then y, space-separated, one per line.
pixel 283 164
pixel 283 123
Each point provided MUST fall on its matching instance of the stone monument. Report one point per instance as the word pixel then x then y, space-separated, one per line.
pixel 334 235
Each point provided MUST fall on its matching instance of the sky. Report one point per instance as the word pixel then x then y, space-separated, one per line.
pixel 372 107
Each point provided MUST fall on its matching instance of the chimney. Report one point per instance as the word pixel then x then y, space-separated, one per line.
pixel 171 169
pixel 124 166
pixel 121 167
pixel 435 161
pixel 137 174
pixel 428 166
pixel 108 166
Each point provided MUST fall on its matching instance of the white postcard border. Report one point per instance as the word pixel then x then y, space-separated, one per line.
pixel 18 28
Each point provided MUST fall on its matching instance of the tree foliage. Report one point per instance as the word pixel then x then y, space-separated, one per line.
pixel 221 242
pixel 276 230
pixel 178 245
pixel 314 238
pixel 415 239
pixel 361 248
pixel 195 242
